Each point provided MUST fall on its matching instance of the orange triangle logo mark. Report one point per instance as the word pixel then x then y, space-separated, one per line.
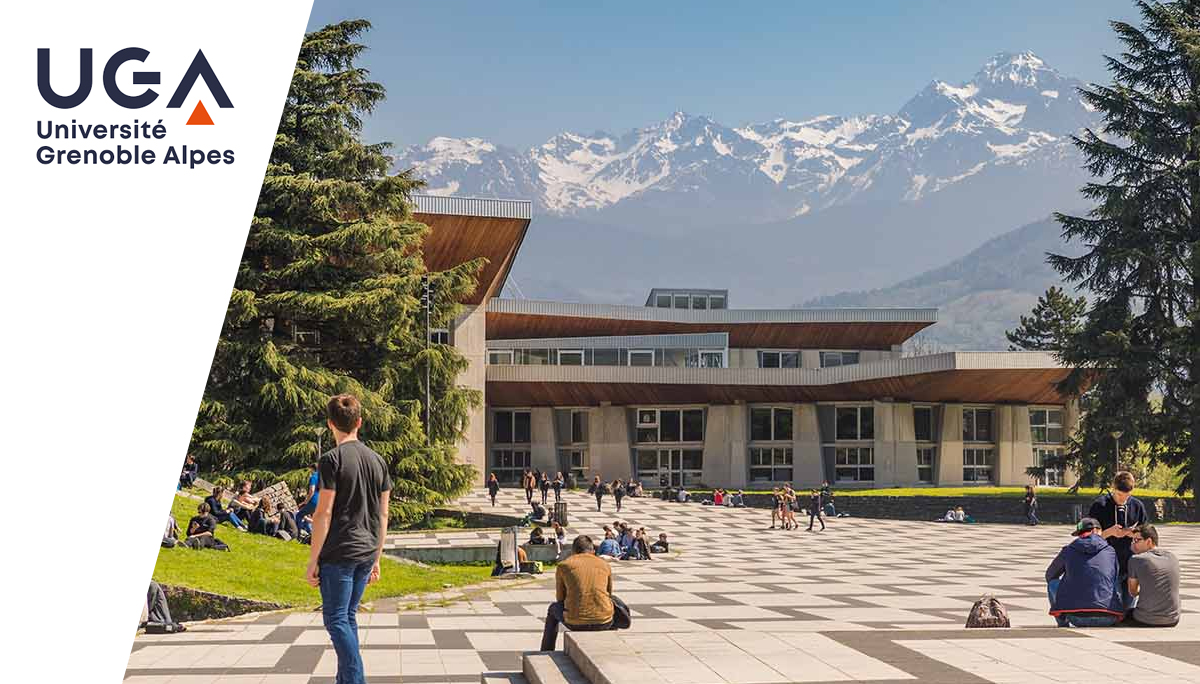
pixel 200 116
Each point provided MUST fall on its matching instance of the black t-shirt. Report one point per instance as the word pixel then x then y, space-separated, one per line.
pixel 200 524
pixel 1132 514
pixel 359 476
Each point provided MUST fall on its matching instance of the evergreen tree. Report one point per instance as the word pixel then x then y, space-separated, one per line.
pixel 1048 328
pixel 1143 240
pixel 326 299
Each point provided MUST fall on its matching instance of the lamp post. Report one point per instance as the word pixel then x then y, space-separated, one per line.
pixel 1116 435
pixel 428 294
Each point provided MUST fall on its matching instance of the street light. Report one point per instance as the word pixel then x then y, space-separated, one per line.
pixel 1116 435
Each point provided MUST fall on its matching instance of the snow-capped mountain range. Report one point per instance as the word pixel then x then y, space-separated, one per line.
pixel 1016 115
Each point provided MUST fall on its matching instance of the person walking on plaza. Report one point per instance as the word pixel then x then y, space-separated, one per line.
pixel 1153 580
pixel 597 489
pixel 349 529
pixel 529 482
pixel 618 493
pixel 558 487
pixel 1030 506
pixel 493 486
pixel 544 486
pixel 582 594
pixel 814 510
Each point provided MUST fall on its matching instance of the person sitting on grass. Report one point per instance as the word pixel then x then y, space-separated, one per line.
pixel 1153 581
pixel 661 546
pixel 243 503
pixel 218 511
pixel 191 470
pixel 1081 581
pixel 201 529
pixel 609 548
pixel 263 520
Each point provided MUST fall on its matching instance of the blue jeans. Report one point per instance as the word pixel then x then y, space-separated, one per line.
pixel 342 586
pixel 1070 620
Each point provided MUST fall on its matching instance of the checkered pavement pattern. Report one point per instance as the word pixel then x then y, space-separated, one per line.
pixel 870 600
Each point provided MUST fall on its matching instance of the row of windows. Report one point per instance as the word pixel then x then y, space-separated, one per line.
pixel 790 358
pixel 683 300
pixel 774 424
pixel 766 464
pixel 674 357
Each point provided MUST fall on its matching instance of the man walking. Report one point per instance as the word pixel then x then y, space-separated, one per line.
pixel 814 510
pixel 582 594
pixel 349 529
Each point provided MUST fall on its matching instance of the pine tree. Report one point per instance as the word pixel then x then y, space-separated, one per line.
pixel 1048 328
pixel 1143 246
pixel 326 299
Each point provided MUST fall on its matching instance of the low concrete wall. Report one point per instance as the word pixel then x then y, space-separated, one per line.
pixel 479 553
pixel 189 605
pixel 981 508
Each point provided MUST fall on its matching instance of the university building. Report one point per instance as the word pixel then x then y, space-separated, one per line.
pixel 690 389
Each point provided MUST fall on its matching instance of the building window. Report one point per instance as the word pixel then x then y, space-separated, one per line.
pixel 439 336
pixel 832 359
pixel 670 467
pixel 977 425
pixel 606 357
pixel 579 427
pixel 770 464
pixel 699 302
pixel 681 301
pixel 770 424
pixel 923 423
pixel 502 357
pixel 574 463
pixel 570 357
pixel 855 423
pixel 716 302
pixel 1046 426
pixel 662 301
pixel 978 465
pixel 641 357
pixel 510 464
pixel 511 427
pixel 925 464
pixel 854 464
pixel 778 359
pixel 706 358
pixel 670 425
pixel 1050 477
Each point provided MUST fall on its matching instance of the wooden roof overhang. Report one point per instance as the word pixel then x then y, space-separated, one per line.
pixel 458 235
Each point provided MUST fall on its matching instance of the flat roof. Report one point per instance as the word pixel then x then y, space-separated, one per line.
pixel 467 228
pixel 758 328
pixel 983 377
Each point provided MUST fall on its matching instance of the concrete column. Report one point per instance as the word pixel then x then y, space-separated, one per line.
pixel 1070 425
pixel 906 446
pixel 807 470
pixel 1020 447
pixel 885 443
pixel 469 339
pixel 608 443
pixel 1004 445
pixel 810 358
pixel 725 465
pixel 543 454
pixel 950 447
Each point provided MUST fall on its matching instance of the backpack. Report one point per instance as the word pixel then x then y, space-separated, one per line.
pixel 622 616
pixel 988 612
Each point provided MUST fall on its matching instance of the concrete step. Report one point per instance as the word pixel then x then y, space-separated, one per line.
pixel 502 678
pixel 551 667
pixel 594 653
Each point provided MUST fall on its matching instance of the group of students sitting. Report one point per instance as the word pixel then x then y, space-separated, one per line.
pixel 1115 571
pixel 956 514
pixel 623 542
pixel 722 498
pixel 245 512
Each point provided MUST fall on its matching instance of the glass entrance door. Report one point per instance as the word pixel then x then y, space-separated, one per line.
pixel 675 467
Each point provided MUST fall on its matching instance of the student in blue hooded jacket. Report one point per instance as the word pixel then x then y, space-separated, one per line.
pixel 1082 580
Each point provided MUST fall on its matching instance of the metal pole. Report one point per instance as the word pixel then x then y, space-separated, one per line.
pixel 428 304
pixel 1116 456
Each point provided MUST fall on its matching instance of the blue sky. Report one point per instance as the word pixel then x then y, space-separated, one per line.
pixel 516 72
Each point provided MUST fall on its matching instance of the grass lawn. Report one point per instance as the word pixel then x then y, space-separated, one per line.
pixel 268 569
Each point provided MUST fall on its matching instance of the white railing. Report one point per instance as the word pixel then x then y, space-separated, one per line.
pixel 473 206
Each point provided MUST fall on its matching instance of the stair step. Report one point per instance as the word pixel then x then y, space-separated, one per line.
pixel 502 678
pixel 604 645
pixel 551 667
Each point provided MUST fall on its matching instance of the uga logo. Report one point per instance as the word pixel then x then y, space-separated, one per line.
pixel 199 68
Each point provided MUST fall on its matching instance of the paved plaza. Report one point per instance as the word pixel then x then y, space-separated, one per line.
pixel 866 600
